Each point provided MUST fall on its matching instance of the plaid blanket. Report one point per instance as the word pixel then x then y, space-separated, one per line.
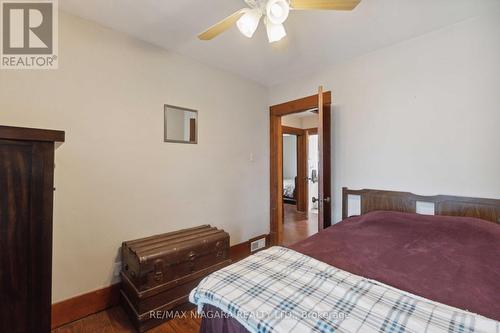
pixel 280 290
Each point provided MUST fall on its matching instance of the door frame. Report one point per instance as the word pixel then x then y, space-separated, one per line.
pixel 276 153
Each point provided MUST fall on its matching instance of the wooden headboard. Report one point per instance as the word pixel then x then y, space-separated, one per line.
pixel 486 209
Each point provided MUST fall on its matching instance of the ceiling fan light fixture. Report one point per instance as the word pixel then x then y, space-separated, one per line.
pixel 248 23
pixel 275 32
pixel 277 11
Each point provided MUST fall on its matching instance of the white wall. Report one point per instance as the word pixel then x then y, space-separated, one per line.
pixel 116 179
pixel 419 116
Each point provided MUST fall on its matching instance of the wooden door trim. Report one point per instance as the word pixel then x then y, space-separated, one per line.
pixel 312 130
pixel 292 130
pixel 276 157
pixel 324 172
pixel 300 105
pixel 276 179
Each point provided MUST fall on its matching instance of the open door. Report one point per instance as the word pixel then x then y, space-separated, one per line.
pixel 322 103
pixel 324 140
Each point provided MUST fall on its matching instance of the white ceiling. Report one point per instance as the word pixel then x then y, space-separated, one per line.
pixel 315 38
pixel 301 115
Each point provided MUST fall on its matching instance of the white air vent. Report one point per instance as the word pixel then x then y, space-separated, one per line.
pixel 257 245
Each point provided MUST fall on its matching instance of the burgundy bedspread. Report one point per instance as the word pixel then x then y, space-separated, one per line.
pixel 451 260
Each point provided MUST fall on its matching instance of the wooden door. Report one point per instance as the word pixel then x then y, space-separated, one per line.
pixel 324 174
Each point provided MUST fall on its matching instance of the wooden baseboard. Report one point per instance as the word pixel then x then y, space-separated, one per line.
pixel 81 306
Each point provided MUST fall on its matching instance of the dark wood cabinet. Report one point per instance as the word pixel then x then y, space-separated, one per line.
pixel 26 198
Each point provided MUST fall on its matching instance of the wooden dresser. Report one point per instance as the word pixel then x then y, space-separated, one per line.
pixel 26 197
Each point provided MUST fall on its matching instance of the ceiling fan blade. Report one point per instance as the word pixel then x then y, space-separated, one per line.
pixel 325 4
pixel 221 26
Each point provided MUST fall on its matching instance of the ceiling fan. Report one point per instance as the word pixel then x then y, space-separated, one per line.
pixel 274 14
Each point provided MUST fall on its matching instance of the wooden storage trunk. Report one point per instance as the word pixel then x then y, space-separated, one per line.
pixel 159 271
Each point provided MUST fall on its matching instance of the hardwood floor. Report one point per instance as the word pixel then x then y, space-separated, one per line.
pixel 298 225
pixel 115 320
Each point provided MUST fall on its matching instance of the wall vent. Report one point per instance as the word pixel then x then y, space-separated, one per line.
pixel 257 244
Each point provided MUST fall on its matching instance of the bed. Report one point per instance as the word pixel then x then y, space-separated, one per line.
pixel 449 261
pixel 289 191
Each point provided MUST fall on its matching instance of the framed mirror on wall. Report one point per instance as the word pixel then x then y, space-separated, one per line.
pixel 180 125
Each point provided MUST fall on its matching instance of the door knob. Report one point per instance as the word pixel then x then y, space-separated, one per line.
pixel 327 200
